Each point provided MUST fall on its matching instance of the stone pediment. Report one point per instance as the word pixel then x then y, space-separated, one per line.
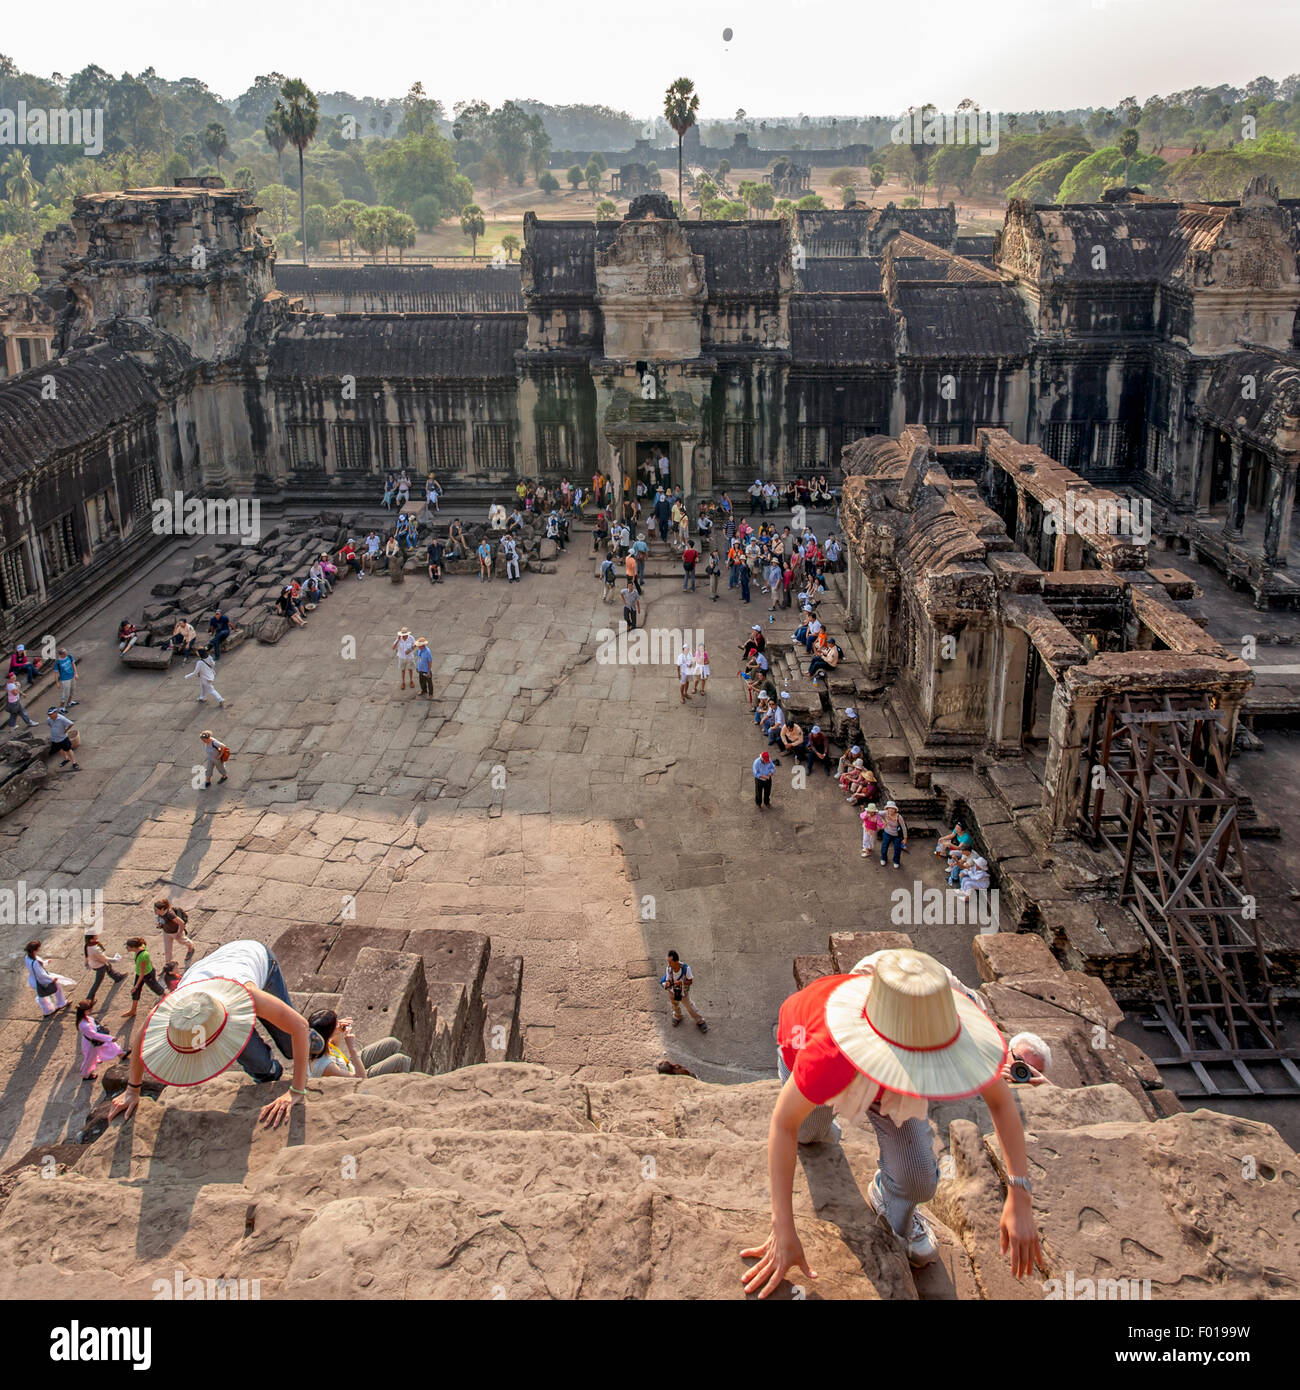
pixel 651 290
pixel 650 259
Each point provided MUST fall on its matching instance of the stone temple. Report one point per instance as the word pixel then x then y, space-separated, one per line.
pixel 1066 457
pixel 1136 342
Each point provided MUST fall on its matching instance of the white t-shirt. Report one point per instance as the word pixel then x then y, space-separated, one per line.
pixel 685 663
pixel 249 962
pixel 405 645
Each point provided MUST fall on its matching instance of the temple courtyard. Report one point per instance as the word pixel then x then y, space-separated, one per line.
pixel 569 807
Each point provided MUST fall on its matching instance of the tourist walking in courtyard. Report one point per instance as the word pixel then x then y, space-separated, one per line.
pixel 144 973
pixel 172 921
pixel 763 769
pixel 215 753
pixel 608 579
pixel 702 671
pixel 424 667
pixel 685 670
pixel 404 646
pixel 66 667
pixel 97 1046
pixel 47 985
pixel 14 702
pixel 98 960
pixel 206 671
pixel 61 736
pixel 841 1050
pixel 893 834
pixel 677 980
pixel 712 572
pixel 689 556
pixel 631 605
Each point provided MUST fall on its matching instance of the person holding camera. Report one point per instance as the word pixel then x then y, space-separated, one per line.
pixel 1027 1061
pixel 677 980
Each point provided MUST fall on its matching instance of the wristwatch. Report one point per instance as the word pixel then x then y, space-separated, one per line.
pixel 1021 1182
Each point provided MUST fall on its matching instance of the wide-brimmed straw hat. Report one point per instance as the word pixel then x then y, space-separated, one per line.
pixel 196 1032
pixel 404 632
pixel 908 1029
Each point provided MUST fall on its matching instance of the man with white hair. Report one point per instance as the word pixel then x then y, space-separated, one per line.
pixel 1034 1053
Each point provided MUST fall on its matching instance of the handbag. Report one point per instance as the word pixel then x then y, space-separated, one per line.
pixel 48 988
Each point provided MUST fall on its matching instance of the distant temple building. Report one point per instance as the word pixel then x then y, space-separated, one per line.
pixel 1137 342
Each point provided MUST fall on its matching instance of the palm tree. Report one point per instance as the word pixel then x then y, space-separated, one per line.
pixel 472 225
pixel 1128 147
pixel 20 182
pixel 277 139
pixel 300 119
pixel 681 106
pixel 215 142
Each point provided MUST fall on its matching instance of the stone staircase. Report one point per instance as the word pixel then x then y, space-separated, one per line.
pixel 441 993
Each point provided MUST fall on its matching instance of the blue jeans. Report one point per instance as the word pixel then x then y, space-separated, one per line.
pixel 906 1165
pixel 256 1058
pixel 744 585
pixel 886 839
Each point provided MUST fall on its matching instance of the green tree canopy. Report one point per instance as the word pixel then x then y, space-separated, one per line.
pixel 418 166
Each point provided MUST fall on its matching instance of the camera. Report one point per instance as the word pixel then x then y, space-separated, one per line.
pixel 1021 1071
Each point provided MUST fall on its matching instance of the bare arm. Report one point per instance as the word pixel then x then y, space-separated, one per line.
pixel 782 1251
pixel 1019 1234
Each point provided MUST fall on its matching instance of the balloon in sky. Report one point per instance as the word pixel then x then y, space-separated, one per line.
pixel 726 36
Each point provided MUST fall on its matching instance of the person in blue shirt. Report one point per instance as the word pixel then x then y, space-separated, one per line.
pixel 763 779
pixel 219 627
pixel 424 667
pixel 67 668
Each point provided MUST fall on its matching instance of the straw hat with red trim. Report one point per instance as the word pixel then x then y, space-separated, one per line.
pixel 906 1028
pixel 197 1031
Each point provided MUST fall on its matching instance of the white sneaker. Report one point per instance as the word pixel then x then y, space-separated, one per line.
pixel 922 1248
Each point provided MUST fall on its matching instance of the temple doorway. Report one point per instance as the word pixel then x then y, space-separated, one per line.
pixel 648 468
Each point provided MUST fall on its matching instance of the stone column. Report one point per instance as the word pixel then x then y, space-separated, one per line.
pixel 877 634
pixel 1205 477
pixel 1061 776
pixel 1281 503
pixel 1012 670
pixel 688 469
pixel 1237 483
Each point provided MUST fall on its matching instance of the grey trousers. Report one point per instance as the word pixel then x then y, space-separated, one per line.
pixel 384 1057
pixel 908 1172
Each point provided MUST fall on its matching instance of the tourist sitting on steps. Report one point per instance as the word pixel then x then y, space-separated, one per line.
pixel 336 1052
pixel 208 1022
pixel 882 1042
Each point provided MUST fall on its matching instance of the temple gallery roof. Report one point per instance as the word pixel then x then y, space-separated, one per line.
pixel 839 275
pixel 408 289
pixel 63 404
pixel 839 330
pixel 446 347
pixel 1275 394
pixel 972 320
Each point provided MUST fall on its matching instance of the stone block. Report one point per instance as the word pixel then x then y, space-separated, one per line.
pixel 1005 955
pixel 386 995
pixel 351 940
pixel 147 658
pixel 502 989
pixel 810 968
pixel 165 589
pixel 20 787
pixel 301 951
pixel 270 629
pixel 547 550
pixel 449 1010
pixel 153 611
pixel 849 947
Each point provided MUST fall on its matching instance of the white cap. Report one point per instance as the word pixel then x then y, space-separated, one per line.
pixel 850 712
pixel 785 694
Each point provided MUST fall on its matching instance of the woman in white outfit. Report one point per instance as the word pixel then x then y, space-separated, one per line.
pixel 49 987
pixel 206 672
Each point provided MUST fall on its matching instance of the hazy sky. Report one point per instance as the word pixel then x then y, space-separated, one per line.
pixel 786 56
